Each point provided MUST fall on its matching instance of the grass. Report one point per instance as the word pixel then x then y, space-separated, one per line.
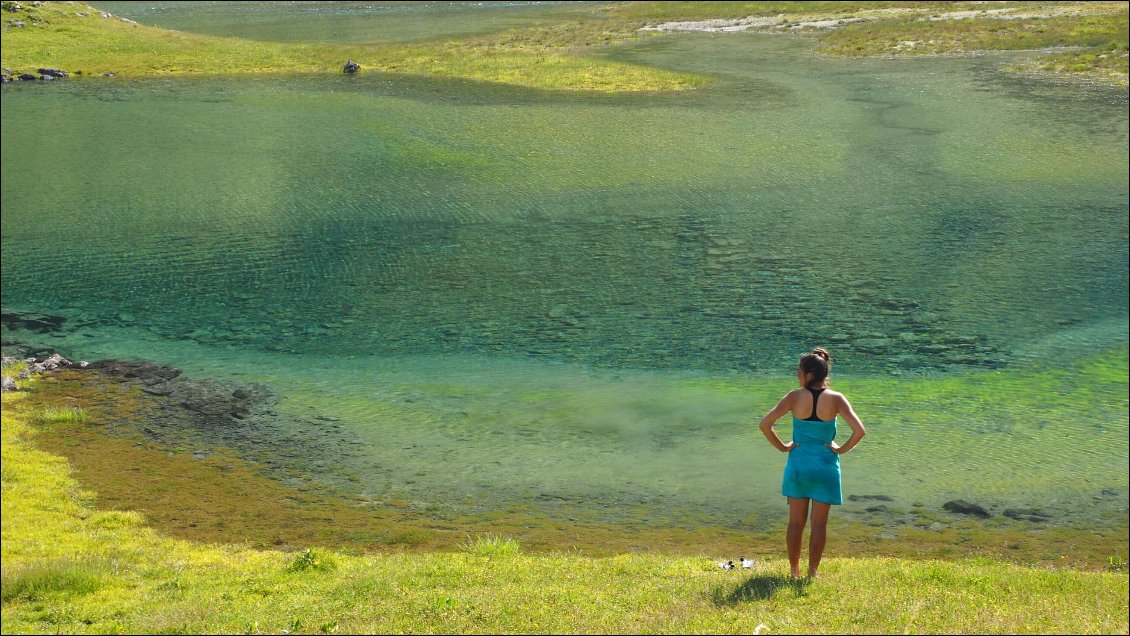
pixel 76 38
pixel 568 55
pixel 52 415
pixel 1091 37
pixel 71 567
pixel 1100 41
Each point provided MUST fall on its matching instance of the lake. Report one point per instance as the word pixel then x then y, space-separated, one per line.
pixel 474 297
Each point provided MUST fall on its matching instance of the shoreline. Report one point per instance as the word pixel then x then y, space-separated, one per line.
pixel 130 459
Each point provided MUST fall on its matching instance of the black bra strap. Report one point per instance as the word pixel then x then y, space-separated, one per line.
pixel 815 397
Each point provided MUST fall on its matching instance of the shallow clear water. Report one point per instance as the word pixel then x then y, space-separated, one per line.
pixel 582 304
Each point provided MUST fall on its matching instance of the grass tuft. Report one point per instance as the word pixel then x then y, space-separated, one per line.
pixel 52 415
pixel 41 579
pixel 491 546
pixel 312 559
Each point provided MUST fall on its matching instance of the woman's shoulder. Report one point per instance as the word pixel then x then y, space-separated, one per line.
pixel 836 395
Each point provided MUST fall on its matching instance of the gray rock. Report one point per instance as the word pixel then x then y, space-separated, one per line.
pixel 9 384
pixel 51 363
pixel 351 67
pixel 52 72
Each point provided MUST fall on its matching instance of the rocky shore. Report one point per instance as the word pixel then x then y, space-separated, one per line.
pixel 204 414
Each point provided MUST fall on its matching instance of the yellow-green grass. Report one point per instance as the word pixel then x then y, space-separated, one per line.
pixel 1097 42
pixel 1092 35
pixel 76 38
pixel 562 56
pixel 68 567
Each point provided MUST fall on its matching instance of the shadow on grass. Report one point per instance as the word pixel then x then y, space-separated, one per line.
pixel 758 588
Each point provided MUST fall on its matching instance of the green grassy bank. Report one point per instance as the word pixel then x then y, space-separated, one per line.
pixel 78 38
pixel 1077 38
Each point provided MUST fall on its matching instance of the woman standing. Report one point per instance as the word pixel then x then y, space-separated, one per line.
pixel 812 472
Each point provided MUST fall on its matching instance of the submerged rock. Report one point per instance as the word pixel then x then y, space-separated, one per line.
pixel 962 507
pixel 31 321
pixel 149 373
pixel 870 498
pixel 351 67
pixel 1027 514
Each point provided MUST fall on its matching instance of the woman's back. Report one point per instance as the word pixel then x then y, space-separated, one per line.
pixel 827 404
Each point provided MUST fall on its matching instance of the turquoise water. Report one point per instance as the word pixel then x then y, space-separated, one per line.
pixel 489 297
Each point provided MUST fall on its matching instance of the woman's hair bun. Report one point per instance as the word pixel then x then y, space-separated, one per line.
pixel 823 353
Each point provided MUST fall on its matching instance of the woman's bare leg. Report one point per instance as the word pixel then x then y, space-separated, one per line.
pixel 817 535
pixel 798 515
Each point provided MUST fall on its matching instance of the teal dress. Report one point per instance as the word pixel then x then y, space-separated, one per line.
pixel 813 469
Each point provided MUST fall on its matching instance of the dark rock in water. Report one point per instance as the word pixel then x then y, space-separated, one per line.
pixel 208 403
pixel 879 508
pixel 47 78
pixel 31 321
pixel 870 498
pixel 52 72
pixel 9 384
pixel 1027 514
pixel 165 388
pixel 217 402
pixel 149 373
pixel 13 352
pixel 26 77
pixel 1110 492
pixel 963 507
pixel 4 79
pixel 351 67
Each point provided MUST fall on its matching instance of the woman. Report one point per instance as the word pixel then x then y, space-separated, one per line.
pixel 812 472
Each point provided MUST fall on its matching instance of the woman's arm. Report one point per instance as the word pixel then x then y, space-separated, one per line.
pixel 857 429
pixel 766 426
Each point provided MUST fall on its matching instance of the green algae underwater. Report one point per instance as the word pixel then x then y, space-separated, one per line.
pixel 558 316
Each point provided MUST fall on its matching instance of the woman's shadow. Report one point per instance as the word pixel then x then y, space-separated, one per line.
pixel 759 588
